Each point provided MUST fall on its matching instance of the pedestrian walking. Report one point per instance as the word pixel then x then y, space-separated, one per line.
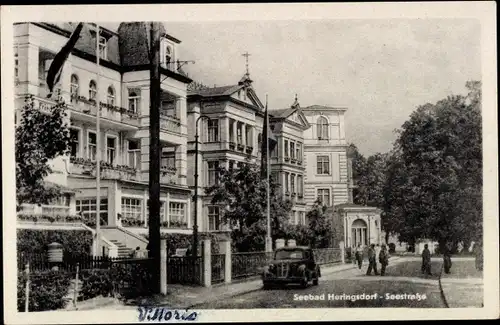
pixel 359 256
pixel 426 260
pixel 447 260
pixel 372 265
pixel 383 258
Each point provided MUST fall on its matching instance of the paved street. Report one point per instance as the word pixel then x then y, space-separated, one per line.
pixel 402 278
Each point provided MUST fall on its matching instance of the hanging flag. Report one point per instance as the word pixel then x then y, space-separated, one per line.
pixel 269 140
pixel 56 67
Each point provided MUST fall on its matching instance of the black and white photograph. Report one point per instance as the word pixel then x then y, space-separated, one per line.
pixel 249 162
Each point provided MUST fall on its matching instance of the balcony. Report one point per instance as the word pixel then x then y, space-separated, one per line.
pixel 168 175
pixel 170 123
pixel 88 107
pixel 84 166
pixel 138 223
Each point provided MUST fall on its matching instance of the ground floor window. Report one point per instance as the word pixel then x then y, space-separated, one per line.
pixel 177 212
pixel 87 207
pixel 214 218
pixel 131 208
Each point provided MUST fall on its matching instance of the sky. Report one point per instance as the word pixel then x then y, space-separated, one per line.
pixel 381 70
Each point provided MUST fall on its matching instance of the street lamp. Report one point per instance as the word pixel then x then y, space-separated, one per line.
pixel 195 226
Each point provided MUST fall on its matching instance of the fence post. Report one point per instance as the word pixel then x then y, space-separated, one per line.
pixel 207 263
pixel 163 266
pixel 342 251
pixel 27 302
pixel 75 292
pixel 225 248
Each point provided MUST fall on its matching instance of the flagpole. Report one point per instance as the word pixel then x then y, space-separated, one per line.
pixel 98 148
pixel 268 166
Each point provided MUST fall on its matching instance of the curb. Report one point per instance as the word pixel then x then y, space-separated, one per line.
pixel 252 290
pixel 443 297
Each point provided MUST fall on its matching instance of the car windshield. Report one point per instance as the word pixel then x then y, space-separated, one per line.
pixel 289 254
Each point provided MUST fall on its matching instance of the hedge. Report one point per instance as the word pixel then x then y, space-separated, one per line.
pixel 34 241
pixel 175 241
pixel 47 290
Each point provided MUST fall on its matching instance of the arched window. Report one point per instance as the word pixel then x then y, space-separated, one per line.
pixel 322 128
pixel 133 101
pixel 93 90
pixel 111 96
pixel 359 233
pixel 74 88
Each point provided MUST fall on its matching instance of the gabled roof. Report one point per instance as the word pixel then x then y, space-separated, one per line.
pixel 283 114
pixel 215 91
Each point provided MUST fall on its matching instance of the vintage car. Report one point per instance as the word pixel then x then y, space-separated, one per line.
pixel 291 265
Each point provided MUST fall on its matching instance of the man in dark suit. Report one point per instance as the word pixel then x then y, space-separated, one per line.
pixel 371 260
pixel 426 260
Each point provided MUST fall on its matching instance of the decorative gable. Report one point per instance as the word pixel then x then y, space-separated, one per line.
pixel 247 95
pixel 298 117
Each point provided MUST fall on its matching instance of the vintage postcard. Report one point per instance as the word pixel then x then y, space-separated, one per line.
pixel 249 162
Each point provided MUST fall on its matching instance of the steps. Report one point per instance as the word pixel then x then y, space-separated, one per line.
pixel 123 251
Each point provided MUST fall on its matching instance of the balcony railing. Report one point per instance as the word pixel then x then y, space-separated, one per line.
pixel 110 112
pixel 49 218
pixel 139 223
pixel 88 167
pixel 170 123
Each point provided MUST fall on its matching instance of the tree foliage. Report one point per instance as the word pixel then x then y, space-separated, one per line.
pixel 40 137
pixel 241 196
pixel 430 184
pixel 320 226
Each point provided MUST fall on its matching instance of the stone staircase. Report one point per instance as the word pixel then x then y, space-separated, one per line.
pixel 123 251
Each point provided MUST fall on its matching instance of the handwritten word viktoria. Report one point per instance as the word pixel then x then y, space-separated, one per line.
pixel 160 314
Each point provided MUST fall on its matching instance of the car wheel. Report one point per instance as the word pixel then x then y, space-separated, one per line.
pixel 266 286
pixel 316 280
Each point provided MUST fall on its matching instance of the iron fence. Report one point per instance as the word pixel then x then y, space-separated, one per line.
pixel 218 268
pixel 248 264
pixel 180 270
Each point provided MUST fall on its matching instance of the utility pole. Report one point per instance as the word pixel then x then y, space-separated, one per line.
pixel 154 158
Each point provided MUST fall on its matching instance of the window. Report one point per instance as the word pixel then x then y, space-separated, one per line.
pixel 134 154
pixel 286 149
pixel 88 208
pixel 74 88
pixel 57 206
pixel 16 66
pixel 248 136
pixel 231 132
pixel 111 96
pixel 292 150
pixel 166 53
pixel 298 154
pixel 292 183
pixel 103 44
pixel 213 130
pixel 167 160
pixel 324 196
pixel 177 212
pixel 110 150
pixel 276 149
pixel 75 142
pixel 131 208
pixel 323 167
pixel 213 173
pixel 213 218
pixel 300 185
pixel 133 101
pixel 322 128
pixel 92 90
pixel 239 133
pixel 287 184
pixel 92 146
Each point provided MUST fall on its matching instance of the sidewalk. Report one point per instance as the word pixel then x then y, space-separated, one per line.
pixel 463 287
pixel 182 297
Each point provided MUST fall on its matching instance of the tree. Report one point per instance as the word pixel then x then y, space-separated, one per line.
pixel 241 195
pixel 40 137
pixel 435 175
pixel 320 226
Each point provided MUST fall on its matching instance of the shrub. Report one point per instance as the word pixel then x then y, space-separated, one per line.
pixel 96 283
pixel 32 241
pixel 47 290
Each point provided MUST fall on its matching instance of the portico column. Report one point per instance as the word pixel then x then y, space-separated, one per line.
pixel 235 131
pixel 243 134
pixel 225 129
pixel 181 164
